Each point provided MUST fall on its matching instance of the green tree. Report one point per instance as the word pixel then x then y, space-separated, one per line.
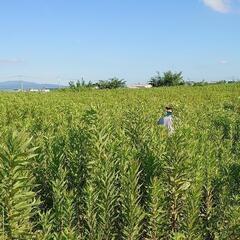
pixel 111 83
pixel 80 84
pixel 156 81
pixel 169 78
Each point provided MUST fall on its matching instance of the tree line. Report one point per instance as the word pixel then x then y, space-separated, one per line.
pixel 101 84
pixel 167 79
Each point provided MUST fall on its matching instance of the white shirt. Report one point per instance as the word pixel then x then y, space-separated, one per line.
pixel 168 122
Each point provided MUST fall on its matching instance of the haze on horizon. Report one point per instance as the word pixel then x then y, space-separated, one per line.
pixel 57 41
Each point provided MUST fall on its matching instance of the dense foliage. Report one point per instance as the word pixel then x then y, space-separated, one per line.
pixel 111 83
pixel 168 78
pixel 95 165
pixel 78 85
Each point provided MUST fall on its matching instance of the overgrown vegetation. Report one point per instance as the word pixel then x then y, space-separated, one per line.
pixel 95 165
pixel 78 85
pixel 111 83
pixel 169 78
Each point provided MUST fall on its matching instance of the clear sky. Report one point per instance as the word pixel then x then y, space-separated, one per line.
pixel 63 40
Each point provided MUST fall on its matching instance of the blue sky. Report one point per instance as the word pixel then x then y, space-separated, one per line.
pixel 62 40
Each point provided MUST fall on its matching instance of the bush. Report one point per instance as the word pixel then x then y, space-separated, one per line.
pixel 168 79
pixel 111 83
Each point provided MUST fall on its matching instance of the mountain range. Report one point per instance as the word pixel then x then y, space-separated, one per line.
pixel 14 85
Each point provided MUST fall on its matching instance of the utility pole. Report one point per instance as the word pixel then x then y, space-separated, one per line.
pixel 59 81
pixel 21 81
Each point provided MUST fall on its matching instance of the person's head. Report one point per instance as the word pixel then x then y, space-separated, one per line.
pixel 169 110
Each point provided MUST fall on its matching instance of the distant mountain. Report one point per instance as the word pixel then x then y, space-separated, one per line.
pixel 12 85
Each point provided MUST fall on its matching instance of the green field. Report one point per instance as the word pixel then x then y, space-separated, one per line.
pixel 95 165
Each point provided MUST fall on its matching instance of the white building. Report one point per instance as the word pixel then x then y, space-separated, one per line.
pixel 45 90
pixel 39 90
pixel 139 85
pixel 34 90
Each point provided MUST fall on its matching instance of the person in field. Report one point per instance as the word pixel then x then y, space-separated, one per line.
pixel 167 120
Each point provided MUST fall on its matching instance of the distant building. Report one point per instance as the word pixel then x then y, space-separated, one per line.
pixel 39 90
pixel 139 85
pixel 190 83
pixel 45 90
pixel 34 90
